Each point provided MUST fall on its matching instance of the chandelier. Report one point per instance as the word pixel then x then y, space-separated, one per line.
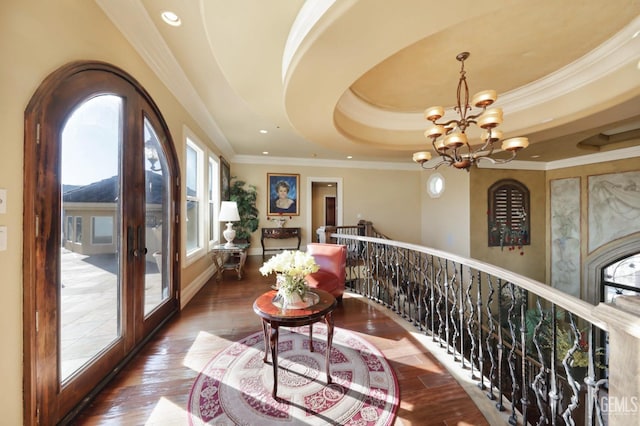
pixel 449 138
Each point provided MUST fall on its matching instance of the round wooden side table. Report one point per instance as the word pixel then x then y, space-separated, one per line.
pixel 274 317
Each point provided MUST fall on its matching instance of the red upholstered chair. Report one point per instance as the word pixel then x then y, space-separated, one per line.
pixel 332 260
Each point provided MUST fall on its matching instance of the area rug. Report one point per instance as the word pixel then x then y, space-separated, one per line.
pixel 235 387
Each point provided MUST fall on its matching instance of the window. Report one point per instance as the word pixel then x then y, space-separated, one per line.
pixel 78 238
pixel 621 278
pixel 508 223
pixel 69 229
pixel 102 230
pixel 203 198
pixel 202 177
pixel 194 197
pixel 435 185
pixel 213 200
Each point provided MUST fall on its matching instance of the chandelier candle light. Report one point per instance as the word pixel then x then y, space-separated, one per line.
pixel 453 146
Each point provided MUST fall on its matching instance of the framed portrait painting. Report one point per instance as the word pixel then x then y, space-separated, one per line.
pixel 225 180
pixel 284 191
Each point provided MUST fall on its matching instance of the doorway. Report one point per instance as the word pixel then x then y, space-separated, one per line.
pixel 100 185
pixel 330 211
pixel 324 204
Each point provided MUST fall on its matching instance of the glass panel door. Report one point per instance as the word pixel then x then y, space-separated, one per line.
pixel 157 216
pixel 90 275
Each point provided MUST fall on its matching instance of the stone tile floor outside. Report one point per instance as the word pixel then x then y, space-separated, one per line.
pixel 89 305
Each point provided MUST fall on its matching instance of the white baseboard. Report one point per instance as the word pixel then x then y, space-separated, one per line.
pixel 192 288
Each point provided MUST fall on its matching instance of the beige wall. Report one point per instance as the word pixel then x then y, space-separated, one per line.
pixel 583 172
pixel 384 197
pixel 535 263
pixel 37 38
pixel 445 220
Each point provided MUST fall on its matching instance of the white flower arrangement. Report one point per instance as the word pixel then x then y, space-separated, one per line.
pixel 291 266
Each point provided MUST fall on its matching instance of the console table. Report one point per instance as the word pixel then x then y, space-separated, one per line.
pixel 279 234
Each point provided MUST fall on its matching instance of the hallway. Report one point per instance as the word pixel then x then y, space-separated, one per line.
pixel 154 388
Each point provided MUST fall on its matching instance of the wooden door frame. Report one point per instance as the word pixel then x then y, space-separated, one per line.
pixel 309 203
pixel 41 230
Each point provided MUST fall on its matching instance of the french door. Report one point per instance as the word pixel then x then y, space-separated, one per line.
pixel 101 266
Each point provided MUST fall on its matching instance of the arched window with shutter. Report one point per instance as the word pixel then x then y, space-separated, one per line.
pixel 508 214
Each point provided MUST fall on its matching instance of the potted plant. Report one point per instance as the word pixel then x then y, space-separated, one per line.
pixel 245 196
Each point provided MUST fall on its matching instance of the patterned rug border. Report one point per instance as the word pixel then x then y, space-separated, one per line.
pixel 342 337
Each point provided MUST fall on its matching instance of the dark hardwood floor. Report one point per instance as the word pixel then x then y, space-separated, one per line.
pixel 154 387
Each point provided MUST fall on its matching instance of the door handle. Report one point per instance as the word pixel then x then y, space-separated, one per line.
pixel 131 242
pixel 141 243
pixel 136 242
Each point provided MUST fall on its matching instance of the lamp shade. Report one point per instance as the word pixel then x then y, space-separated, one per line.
pixel 229 212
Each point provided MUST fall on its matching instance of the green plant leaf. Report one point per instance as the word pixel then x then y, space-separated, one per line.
pixel 245 195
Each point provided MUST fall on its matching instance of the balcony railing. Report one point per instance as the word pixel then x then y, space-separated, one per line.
pixel 543 356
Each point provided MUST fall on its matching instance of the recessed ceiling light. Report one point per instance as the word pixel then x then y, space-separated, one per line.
pixel 349 157
pixel 636 34
pixel 263 131
pixel 265 152
pixel 535 156
pixel 171 18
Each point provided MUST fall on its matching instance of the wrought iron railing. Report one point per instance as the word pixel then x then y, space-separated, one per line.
pixel 538 352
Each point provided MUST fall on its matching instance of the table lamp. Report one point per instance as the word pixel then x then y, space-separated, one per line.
pixel 229 213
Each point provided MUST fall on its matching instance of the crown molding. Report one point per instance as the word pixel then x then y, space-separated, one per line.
pixel 318 162
pixel 583 160
pixel 133 21
pixel 135 24
pixel 600 157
